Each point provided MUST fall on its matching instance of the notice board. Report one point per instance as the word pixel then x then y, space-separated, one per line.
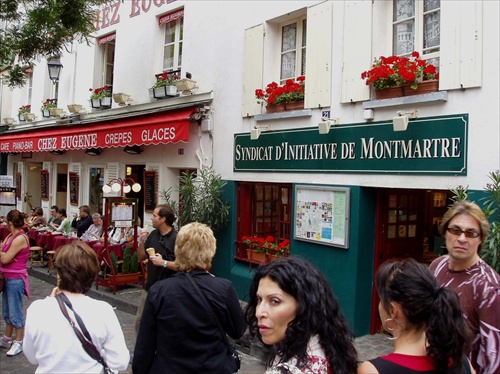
pixel 150 188
pixel 73 188
pixel 44 184
pixel 322 215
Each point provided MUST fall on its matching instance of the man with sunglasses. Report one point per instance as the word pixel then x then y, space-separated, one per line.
pixel 465 228
pixel 162 239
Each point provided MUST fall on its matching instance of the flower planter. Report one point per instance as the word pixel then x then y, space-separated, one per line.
pixel 29 117
pixel 275 108
pixel 55 112
pixel 21 117
pixel 423 88
pixel 105 102
pixel 294 105
pixel 121 98
pixel 163 92
pixel 121 278
pixel 185 85
pixel 390 93
pixel 255 256
pixel 46 113
pixel 8 121
pixel 75 108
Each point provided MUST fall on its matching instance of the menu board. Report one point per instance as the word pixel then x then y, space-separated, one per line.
pixel 18 185
pixel 150 188
pixel 73 188
pixel 44 180
pixel 322 215
pixel 123 211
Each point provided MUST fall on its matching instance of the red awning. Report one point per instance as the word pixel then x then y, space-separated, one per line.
pixel 157 128
pixel 171 17
pixel 106 38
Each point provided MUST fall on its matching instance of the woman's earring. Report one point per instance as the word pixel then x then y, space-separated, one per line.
pixel 385 326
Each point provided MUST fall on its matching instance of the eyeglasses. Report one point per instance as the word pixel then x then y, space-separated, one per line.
pixel 468 233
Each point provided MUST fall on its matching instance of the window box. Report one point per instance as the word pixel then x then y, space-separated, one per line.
pixel 21 117
pixel 163 92
pixel 102 103
pixel 46 113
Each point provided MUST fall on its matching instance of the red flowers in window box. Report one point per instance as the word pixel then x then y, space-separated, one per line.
pixel 276 94
pixel 397 71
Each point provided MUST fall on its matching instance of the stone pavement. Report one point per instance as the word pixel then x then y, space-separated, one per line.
pixel 125 304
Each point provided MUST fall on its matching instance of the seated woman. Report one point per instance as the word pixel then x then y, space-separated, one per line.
pixel 293 311
pixel 37 220
pixel 429 331
pixel 94 232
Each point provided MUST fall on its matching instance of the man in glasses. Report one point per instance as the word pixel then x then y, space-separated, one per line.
pixel 160 265
pixel 465 228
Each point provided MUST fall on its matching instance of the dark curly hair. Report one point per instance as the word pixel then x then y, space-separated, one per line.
pixel 426 305
pixel 318 313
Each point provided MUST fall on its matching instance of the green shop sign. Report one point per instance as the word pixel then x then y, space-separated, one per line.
pixel 432 145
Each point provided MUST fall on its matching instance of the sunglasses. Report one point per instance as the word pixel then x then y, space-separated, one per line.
pixel 468 233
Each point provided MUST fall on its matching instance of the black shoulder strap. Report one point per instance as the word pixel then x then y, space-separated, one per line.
pixel 86 340
pixel 210 310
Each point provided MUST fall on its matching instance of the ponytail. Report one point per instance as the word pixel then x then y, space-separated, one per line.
pixel 447 331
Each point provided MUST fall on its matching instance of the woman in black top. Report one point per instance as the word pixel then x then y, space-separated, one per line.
pixel 178 334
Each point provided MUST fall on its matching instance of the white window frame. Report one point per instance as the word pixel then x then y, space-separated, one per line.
pixel 177 43
pixel 299 47
pixel 419 24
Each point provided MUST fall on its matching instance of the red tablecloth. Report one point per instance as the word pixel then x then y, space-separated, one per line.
pixel 113 248
pixel 61 240
pixel 47 240
pixel 4 231
pixel 33 235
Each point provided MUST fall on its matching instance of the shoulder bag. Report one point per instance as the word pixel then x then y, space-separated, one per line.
pixel 234 353
pixel 86 340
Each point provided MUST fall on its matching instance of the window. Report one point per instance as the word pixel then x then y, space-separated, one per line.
pixel 29 80
pixel 264 209
pixel 416 27
pixel 172 48
pixel 293 50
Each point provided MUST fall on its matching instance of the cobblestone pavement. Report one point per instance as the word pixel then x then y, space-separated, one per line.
pixel 125 303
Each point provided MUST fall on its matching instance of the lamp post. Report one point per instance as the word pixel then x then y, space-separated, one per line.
pixel 55 67
pixel 121 185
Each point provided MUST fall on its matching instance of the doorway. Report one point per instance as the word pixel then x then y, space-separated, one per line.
pixel 406 226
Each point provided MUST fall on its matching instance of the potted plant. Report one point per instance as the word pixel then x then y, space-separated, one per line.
pixel 389 75
pixel 100 98
pixel 185 85
pixel 47 105
pixel 281 250
pixel 129 271
pixel 23 111
pixel 289 96
pixel 75 108
pixel 165 85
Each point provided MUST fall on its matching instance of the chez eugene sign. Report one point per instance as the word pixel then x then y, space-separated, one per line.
pixel 432 145
pixel 155 129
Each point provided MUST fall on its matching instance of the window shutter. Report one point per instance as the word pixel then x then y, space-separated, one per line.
pixel 111 172
pixel 319 55
pixel 461 44
pixel 357 46
pixel 253 60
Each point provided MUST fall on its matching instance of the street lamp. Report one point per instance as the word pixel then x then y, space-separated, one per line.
pixel 55 67
pixel 121 185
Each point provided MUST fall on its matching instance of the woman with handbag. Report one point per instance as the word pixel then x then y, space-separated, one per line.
pixel 187 316
pixel 13 266
pixel 82 335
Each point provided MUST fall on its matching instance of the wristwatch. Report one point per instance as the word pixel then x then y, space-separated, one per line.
pixel 165 263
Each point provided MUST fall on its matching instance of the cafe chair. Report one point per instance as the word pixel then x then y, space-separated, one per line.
pixel 50 255
pixel 34 251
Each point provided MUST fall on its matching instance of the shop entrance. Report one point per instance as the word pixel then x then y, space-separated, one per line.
pixel 406 226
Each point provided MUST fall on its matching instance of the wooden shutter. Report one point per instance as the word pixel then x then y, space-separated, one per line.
pixel 20 202
pixel 111 171
pixel 46 204
pixel 319 55
pixel 356 53
pixel 461 44
pixel 253 60
pixel 75 167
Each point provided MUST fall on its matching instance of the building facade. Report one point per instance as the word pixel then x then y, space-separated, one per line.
pixel 337 177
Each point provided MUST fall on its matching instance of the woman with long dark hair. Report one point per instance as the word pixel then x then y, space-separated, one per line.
pixel 294 312
pixel 426 322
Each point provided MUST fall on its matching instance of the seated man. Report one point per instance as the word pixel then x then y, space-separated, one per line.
pixel 53 217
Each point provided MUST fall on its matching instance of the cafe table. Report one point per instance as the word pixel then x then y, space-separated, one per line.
pixel 33 236
pixel 113 248
pixel 47 240
pixel 4 232
pixel 61 240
